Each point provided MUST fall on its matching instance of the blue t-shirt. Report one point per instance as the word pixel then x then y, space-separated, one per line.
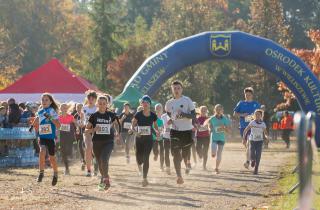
pixel 246 107
pixel 47 130
pixel 215 124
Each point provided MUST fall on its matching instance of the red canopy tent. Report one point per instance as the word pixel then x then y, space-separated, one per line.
pixel 52 77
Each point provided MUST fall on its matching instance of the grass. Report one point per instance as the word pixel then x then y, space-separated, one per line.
pixel 286 201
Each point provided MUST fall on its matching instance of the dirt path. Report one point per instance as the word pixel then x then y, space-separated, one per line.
pixel 234 188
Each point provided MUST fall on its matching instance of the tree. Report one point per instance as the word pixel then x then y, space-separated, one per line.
pixel 106 31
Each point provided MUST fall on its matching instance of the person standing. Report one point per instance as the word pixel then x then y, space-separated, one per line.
pixel 181 111
pixel 244 110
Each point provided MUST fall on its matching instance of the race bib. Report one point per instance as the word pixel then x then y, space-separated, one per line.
pixel 257 133
pixel 45 129
pixel 104 129
pixel 127 125
pixel 248 118
pixel 144 130
pixel 218 129
pixel 65 127
pixel 203 128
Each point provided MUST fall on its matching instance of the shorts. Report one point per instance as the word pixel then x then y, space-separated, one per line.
pixel 50 145
pixel 181 139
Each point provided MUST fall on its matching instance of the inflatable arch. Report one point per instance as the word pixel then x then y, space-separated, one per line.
pixel 231 45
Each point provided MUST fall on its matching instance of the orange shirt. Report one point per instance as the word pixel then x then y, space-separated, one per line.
pixel 287 122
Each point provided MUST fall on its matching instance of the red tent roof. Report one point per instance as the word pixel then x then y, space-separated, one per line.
pixel 52 77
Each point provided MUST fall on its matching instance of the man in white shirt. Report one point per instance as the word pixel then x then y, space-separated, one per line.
pixel 181 111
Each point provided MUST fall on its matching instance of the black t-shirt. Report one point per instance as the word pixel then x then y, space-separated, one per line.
pixel 128 119
pixel 105 122
pixel 145 122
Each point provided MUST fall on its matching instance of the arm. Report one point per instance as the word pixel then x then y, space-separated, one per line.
pixel 134 123
pixel 89 128
pixel 192 115
pixel 156 128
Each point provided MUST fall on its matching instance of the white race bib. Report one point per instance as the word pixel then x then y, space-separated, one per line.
pixel 203 128
pixel 127 125
pixel 45 129
pixel 65 127
pixel 248 118
pixel 218 129
pixel 144 130
pixel 257 133
pixel 104 129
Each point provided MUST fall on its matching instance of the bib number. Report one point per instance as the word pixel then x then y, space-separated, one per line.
pixel 45 129
pixel 104 129
pixel 127 125
pixel 144 130
pixel 65 127
pixel 218 129
pixel 203 128
pixel 257 133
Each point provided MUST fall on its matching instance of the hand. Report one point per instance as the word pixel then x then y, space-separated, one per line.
pixel 157 133
pixel 97 128
pixel 124 117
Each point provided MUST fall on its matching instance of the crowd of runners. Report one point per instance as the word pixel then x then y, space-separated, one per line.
pixel 174 129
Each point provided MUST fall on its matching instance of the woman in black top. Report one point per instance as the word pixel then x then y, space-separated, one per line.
pixel 104 126
pixel 144 120
pixel 125 119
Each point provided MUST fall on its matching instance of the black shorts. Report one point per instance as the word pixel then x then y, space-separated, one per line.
pixel 181 139
pixel 50 144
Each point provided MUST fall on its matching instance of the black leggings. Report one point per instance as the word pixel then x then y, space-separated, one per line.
pixel 181 142
pixel 255 153
pixel 203 148
pixel 102 152
pixel 81 147
pixel 66 142
pixel 143 150
pixel 165 145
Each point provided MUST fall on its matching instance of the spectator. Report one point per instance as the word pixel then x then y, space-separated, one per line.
pixel 287 127
pixel 22 107
pixel 3 116
pixel 11 101
pixel 27 113
pixel 14 114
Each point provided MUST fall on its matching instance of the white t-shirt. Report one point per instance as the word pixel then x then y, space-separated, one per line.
pixel 166 128
pixel 183 104
pixel 256 131
pixel 88 112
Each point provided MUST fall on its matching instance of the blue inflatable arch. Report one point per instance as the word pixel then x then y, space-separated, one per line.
pixel 231 45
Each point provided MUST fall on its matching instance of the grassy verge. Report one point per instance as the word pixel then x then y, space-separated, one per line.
pixel 285 201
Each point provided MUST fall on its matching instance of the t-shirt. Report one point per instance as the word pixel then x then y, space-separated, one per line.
pixel 126 124
pixel 203 131
pixel 246 107
pixel 166 128
pixel 47 130
pixel 65 122
pixel 215 123
pixel 104 121
pixel 145 124
pixel 256 131
pixel 183 104
pixel 88 112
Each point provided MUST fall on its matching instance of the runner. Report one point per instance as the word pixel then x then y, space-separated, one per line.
pixel 144 120
pixel 166 141
pixel 125 119
pixel 219 124
pixel 287 127
pixel 104 127
pixel 158 141
pixel 181 111
pixel 79 117
pixel 67 135
pixel 46 123
pixel 203 136
pixel 256 137
pixel 245 110
pixel 89 109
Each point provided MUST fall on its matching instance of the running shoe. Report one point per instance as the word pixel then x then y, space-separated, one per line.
pixel 88 174
pixel 180 180
pixel 246 164
pixel 145 183
pixel 101 186
pixel 54 180
pixel 40 177
pixel 216 171
pixel 106 181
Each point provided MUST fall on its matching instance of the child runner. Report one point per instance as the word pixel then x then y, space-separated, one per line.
pixel 104 127
pixel 203 136
pixel 79 117
pixel 244 110
pixel 219 124
pixel 166 141
pixel 89 109
pixel 125 119
pixel 67 135
pixel 257 135
pixel 158 141
pixel 46 123
pixel 144 120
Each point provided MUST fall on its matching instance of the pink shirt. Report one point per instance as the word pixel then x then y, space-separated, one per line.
pixel 68 119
